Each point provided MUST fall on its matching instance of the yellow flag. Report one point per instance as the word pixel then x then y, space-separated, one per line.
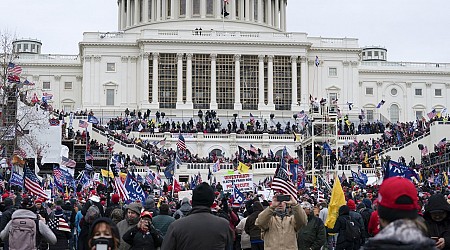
pixel 337 200
pixel 348 122
pixel 297 137
pixel 314 181
pixel 445 179
pixel 107 173
pixel 242 168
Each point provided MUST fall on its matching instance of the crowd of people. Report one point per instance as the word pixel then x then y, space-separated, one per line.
pixel 396 214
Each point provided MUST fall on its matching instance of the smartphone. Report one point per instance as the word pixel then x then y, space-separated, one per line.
pixel 101 244
pixel 283 197
pixel 435 238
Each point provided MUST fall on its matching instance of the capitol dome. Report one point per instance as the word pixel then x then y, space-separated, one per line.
pixel 242 15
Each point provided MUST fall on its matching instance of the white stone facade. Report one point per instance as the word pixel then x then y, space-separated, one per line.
pixel 246 62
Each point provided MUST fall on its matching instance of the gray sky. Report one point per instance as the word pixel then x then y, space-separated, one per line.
pixel 411 30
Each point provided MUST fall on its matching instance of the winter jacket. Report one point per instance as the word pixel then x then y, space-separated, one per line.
pixel 400 235
pixel 110 208
pixel 46 233
pixel 439 229
pixel 92 203
pixel 126 224
pixel 340 227
pixel 313 235
pixel 374 224
pixel 250 227
pixel 245 238
pixel 281 233
pixel 359 220
pixel 139 240
pixel 199 230
pixel 183 211
pixel 162 222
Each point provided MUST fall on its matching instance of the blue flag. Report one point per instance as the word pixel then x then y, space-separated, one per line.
pixel 16 180
pixel 135 191
pixel 238 196
pixel 92 119
pixel 294 171
pixel 394 168
pixel 361 181
pixel 169 171
pixel 327 148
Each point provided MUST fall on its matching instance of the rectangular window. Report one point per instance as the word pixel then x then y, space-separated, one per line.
pixel 196 7
pixel 67 85
pixel 369 91
pixel 46 85
pixel 375 53
pixel 33 47
pixel 110 67
pixel 438 92
pixel 25 47
pixel 110 97
pixel 418 92
pixel 333 97
pixel 419 114
pixel 369 115
pixel 209 7
pixel 182 7
pixel 332 71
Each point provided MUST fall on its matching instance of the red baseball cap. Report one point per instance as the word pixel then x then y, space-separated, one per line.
pixel 398 193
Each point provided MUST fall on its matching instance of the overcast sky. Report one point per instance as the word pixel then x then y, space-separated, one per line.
pixel 411 30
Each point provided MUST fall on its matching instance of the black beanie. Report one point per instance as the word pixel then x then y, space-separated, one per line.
pixel 391 215
pixel 203 195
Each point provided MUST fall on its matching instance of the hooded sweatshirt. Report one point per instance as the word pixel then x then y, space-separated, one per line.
pixel 438 228
pixel 184 209
pixel 126 224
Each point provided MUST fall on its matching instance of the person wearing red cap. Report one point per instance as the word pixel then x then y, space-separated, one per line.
pixel 356 217
pixel 143 235
pixel 41 209
pixel 398 211
pixel 113 205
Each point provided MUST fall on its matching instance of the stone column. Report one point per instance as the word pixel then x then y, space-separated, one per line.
pixel 213 104
pixel 283 15
pixel 260 11
pixel 58 83
pixel 247 10
pixel 158 10
pixel 132 92
pixel 173 14
pixel 261 103
pixel 145 82
pixel 410 112
pixel 119 7
pixel 97 84
pixel 269 12
pixel 189 80
pixel 218 13
pixel 241 9
pixel 304 83
pixel 277 14
pixel 136 12
pixel 252 10
pixel 294 106
pixel 179 79
pixel 123 87
pixel 128 13
pixel 164 10
pixel 145 12
pixel 237 82
pixel 203 8
pixel 346 90
pixel 429 94
pixel 155 89
pixel 270 103
pixel 354 76
pixel 188 9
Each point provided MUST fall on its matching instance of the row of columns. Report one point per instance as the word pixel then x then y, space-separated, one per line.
pixel 275 11
pixel 188 104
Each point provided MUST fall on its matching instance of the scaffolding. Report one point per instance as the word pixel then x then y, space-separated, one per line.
pixel 318 148
pixel 8 126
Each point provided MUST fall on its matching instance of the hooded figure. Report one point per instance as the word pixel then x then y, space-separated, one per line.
pixel 250 228
pixel 103 229
pixel 132 217
pixel 184 209
pixel 339 227
pixel 149 205
pixel 437 218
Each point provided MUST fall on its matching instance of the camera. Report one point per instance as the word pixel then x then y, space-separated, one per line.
pixel 101 243
pixel 283 198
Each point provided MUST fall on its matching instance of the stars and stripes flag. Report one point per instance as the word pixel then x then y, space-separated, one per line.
pixel 47 96
pixel 32 184
pixel 120 189
pixel 59 223
pixel 216 166
pixel 68 162
pixel 282 182
pixel 432 114
pixel 181 143
pixel 20 152
pixel 83 124
pixel 14 69
pixel 88 156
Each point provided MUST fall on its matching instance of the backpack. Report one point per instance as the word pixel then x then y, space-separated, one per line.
pixel 23 234
pixel 352 231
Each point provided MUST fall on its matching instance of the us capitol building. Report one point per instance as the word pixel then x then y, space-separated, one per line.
pixel 185 55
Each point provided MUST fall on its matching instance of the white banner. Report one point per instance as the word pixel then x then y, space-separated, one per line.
pixel 243 182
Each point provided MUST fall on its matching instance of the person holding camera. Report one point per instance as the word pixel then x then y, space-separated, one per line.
pixel 280 223
pixel 144 235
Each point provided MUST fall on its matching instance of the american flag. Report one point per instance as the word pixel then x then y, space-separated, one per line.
pixel 216 166
pixel 181 144
pixel 14 69
pixel 88 156
pixel 253 149
pixel 20 152
pixel 32 183
pixel 59 223
pixel 120 189
pixel 83 124
pixel 57 173
pixel 68 162
pixel 282 182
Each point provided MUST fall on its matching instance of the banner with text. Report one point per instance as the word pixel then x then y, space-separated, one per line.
pixel 244 182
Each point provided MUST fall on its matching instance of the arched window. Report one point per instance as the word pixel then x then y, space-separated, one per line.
pixel 394 113
pixel 216 152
